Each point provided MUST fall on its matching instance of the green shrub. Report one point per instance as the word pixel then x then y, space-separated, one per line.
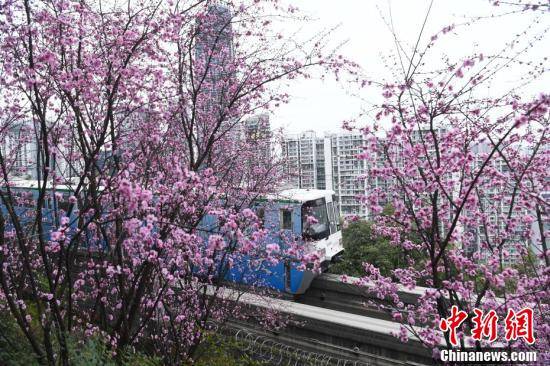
pixel 217 350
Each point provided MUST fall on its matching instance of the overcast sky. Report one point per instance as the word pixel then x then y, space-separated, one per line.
pixel 322 106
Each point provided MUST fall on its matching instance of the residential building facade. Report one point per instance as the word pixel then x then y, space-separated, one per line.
pixel 327 162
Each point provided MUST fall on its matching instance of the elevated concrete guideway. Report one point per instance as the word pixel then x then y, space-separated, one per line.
pixel 364 335
pixel 330 291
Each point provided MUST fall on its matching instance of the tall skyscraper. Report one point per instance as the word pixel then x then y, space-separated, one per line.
pixel 301 160
pixel 327 162
pixel 214 55
pixel 256 130
pixel 348 172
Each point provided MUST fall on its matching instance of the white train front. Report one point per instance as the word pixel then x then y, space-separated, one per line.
pixel 285 215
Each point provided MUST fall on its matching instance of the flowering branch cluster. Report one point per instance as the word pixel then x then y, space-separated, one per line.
pixel 459 182
pixel 126 121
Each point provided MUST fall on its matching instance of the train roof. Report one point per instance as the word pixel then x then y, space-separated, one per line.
pixel 295 195
pixel 35 184
pixel 300 195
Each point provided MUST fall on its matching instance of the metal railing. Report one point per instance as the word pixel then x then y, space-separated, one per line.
pixel 273 352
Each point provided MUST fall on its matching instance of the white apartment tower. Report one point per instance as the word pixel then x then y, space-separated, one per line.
pixel 327 162
pixel 302 160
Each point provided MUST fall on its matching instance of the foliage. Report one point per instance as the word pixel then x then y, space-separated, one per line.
pixel 213 350
pixel 13 352
pixel 465 170
pixel 216 350
pixel 128 116
pixel 83 352
pixel 363 245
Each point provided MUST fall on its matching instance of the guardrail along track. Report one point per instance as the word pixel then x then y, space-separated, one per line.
pixel 281 348
pixel 317 325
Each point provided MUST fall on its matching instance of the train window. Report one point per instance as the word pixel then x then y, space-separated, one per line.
pixel 63 203
pixel 286 219
pixel 336 209
pixel 332 217
pixel 260 213
pixel 315 222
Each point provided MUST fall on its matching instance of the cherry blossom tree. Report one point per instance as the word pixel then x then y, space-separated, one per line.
pixel 128 118
pixel 457 176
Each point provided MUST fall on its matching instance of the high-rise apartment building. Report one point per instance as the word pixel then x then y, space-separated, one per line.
pixel 348 171
pixel 256 130
pixel 213 64
pixel 327 162
pixel 301 160
pixel 20 150
pixel 330 162
pixel 497 231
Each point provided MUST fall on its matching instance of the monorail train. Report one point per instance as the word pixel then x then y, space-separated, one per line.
pixel 284 215
pixel 26 193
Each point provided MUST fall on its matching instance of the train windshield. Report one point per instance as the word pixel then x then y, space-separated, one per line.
pixel 315 223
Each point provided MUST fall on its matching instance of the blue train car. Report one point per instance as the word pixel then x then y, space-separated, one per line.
pixel 58 204
pixel 285 216
pixel 25 193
